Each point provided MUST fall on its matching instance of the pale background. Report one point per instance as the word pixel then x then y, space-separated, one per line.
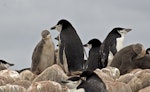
pixel 21 22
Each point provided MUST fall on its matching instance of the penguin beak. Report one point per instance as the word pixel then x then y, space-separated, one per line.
pixel 53 28
pixel 64 82
pixel 57 27
pixel 128 30
pixel 11 64
pixel 85 45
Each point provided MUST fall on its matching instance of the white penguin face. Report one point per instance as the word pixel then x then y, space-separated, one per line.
pixel 124 31
pixel 48 36
pixel 58 27
pixel 73 84
pixel 88 46
pixel 5 65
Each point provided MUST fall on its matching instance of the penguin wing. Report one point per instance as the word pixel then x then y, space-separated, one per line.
pixel 36 55
pixel 113 49
pixel 61 52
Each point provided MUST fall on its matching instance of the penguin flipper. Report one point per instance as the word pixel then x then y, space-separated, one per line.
pixel 36 56
pixel 113 49
pixel 61 52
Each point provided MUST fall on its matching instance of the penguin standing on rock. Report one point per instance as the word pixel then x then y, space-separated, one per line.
pixel 43 55
pixel 93 61
pixel 70 47
pixel 112 44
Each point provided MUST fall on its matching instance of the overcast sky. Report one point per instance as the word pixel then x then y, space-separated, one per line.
pixel 21 23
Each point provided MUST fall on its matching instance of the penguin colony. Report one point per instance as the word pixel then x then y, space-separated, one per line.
pixel 110 57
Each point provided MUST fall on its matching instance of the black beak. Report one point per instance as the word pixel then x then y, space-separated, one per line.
pixel 64 82
pixel 85 45
pixel 11 64
pixel 128 30
pixel 54 27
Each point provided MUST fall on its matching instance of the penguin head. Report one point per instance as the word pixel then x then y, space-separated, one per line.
pixel 93 43
pixel 139 50
pixel 87 74
pixel 62 24
pixel 148 51
pixel 45 34
pixel 5 64
pixel 122 31
pixel 72 82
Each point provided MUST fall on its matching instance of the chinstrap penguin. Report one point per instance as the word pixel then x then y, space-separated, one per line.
pixel 93 61
pixel 71 53
pixel 87 82
pixel 112 44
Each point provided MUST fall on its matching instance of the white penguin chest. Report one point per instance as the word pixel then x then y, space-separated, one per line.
pixel 110 58
pixel 76 90
pixel 119 44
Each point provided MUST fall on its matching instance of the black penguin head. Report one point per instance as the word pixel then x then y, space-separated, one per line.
pixel 93 43
pixel 121 31
pixel 72 82
pixel 148 51
pixel 45 34
pixel 62 24
pixel 87 73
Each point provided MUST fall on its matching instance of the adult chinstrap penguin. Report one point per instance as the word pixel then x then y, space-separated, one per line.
pixel 112 44
pixel 43 55
pixel 93 60
pixel 71 53
pixel 87 82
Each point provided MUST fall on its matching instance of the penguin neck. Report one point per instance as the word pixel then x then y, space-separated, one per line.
pixel 120 42
pixel 46 40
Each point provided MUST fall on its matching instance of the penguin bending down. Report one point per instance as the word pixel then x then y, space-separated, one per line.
pixel 43 55
pixel 5 65
pixel 112 44
pixel 93 61
pixel 129 58
pixel 91 83
pixel 70 47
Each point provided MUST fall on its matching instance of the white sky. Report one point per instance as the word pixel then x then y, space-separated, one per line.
pixel 21 22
